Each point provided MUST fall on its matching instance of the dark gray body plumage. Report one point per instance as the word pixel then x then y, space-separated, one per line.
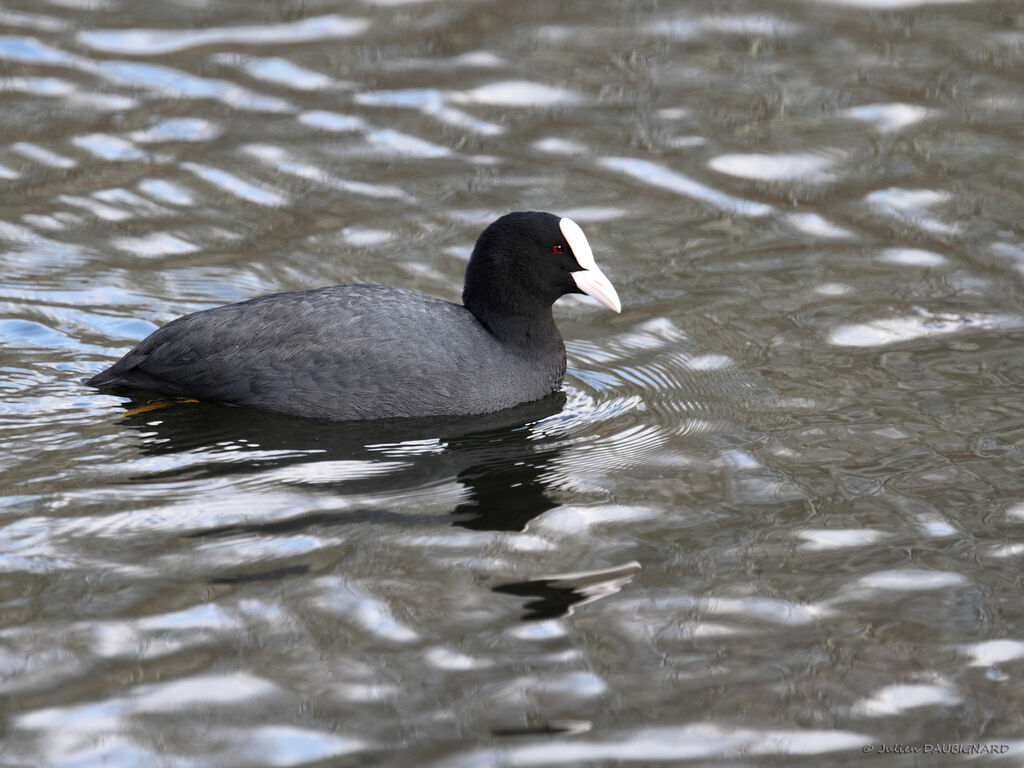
pixel 343 353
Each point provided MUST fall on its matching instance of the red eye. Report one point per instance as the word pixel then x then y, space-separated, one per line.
pixel 557 249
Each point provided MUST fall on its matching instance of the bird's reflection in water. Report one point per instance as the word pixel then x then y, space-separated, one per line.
pixel 548 728
pixel 559 594
pixel 495 457
pixel 498 460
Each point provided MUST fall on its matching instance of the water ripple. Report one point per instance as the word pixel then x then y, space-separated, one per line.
pixel 923 324
pixel 659 176
pixel 30 49
pixel 518 93
pixel 281 72
pixel 168 81
pixel 911 206
pixel 261 195
pixel 155 42
pixel 697 741
pixel 285 162
pixel 108 147
pixel 802 166
pixel 178 129
pixel 166 191
pixel 889 117
pixel 687 28
pixel 897 699
pixel 43 155
pixel 433 103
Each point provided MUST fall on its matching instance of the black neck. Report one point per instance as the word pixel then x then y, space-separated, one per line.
pixel 531 328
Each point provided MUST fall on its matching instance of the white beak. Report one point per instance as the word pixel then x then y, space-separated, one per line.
pixel 589 279
pixel 593 283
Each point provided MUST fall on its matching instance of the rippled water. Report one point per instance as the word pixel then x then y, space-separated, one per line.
pixel 777 514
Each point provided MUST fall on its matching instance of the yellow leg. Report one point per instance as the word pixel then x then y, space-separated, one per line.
pixel 156 406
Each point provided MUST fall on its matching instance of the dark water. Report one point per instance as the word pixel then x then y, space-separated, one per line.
pixel 777 515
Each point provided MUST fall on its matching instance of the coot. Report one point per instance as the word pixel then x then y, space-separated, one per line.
pixel 351 352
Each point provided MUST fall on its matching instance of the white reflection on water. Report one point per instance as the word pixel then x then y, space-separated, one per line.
pixel 350 602
pixel 911 206
pixel 663 610
pixel 42 155
pixel 912 257
pixel 817 226
pixel 139 205
pixel 660 176
pixel 154 42
pixel 175 695
pixel 166 191
pixel 108 147
pixel 32 21
pixel 398 143
pixel 416 98
pixel 466 121
pixel 541 631
pixel 833 289
pixel 363 237
pixel 154 244
pixel 66 91
pixel 805 166
pixel 96 208
pixel 284 161
pixel 473 542
pixel 96 733
pixel 237 186
pixel 1011 253
pixel 475 59
pixel 286 745
pixel 836 538
pixel 991 652
pixel 691 742
pixel 910 580
pixel 559 146
pixel 434 103
pixel 280 72
pixel 892 330
pixel 39 86
pixel 168 81
pixel 738 24
pixel 29 49
pixel 894 4
pixel 178 129
pixel 519 93
pixel 445 658
pixel 332 121
pixel 896 699
pixel 159 635
pixel 888 117
pixel 333 471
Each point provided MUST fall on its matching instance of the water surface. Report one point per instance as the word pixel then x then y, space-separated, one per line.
pixel 777 513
